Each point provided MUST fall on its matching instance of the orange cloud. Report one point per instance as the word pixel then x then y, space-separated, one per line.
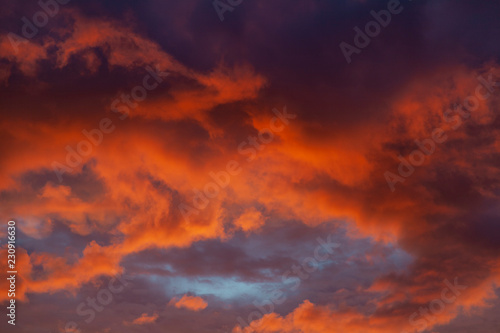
pixel 250 220
pixel 308 173
pixel 193 303
pixel 61 274
pixel 145 319
pixel 27 56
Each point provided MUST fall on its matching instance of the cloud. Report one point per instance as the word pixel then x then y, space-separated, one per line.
pixel 145 319
pixel 192 303
pixel 326 166
pixel 250 220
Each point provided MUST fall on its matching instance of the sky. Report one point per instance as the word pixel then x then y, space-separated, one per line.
pixel 237 166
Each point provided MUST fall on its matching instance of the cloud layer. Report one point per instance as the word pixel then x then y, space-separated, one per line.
pixel 395 154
